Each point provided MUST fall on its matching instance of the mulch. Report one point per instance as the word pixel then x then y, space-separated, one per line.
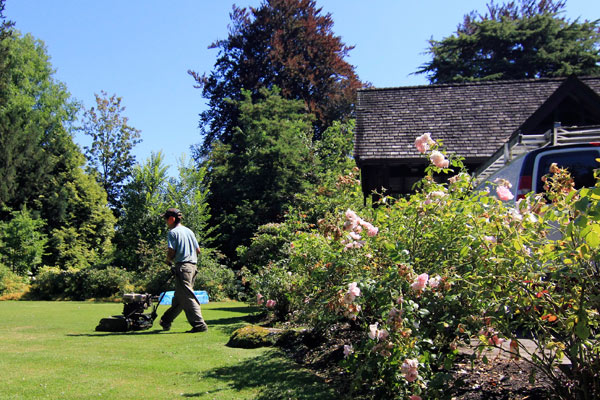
pixel 500 378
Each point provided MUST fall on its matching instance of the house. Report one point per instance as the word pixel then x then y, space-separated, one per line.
pixel 473 120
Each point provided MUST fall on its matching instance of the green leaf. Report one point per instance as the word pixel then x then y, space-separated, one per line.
pixel 581 221
pixel 582 329
pixel 593 236
pixel 582 204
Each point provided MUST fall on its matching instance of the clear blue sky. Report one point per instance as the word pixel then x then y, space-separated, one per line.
pixel 141 50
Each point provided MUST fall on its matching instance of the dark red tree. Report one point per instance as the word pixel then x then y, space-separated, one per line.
pixel 283 43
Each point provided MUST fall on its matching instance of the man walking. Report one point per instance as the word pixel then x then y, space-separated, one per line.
pixel 182 256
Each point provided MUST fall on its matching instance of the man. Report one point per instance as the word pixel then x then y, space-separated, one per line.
pixel 182 256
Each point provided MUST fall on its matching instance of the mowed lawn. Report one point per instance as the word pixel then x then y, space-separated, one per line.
pixel 50 350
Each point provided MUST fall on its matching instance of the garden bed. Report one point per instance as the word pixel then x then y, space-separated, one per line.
pixel 501 378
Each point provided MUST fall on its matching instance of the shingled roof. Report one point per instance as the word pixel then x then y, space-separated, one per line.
pixel 472 119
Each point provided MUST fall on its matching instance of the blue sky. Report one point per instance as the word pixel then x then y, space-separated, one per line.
pixel 141 50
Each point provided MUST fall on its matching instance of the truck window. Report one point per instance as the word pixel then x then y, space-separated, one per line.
pixel 580 163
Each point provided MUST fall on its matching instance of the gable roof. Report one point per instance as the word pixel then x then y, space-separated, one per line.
pixel 471 119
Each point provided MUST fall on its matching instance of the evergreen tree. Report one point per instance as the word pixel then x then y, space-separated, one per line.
pixel 255 176
pixel 284 43
pixel 528 39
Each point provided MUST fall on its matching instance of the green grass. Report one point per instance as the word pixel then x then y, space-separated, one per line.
pixel 50 350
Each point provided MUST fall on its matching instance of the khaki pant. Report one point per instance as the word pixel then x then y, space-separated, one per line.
pixel 184 298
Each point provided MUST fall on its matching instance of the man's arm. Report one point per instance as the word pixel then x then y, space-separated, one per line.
pixel 170 256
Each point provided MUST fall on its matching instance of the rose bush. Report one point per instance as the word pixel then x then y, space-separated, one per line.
pixel 448 266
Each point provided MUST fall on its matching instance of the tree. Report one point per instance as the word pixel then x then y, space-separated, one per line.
pixel 284 43
pixel 22 243
pixel 140 229
pixel 41 166
pixel 5 33
pixel 112 141
pixel 256 175
pixel 521 40
pixel 189 193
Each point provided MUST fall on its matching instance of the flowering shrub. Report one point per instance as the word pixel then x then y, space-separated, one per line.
pixel 448 266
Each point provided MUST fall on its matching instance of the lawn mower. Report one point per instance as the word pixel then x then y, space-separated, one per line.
pixel 133 317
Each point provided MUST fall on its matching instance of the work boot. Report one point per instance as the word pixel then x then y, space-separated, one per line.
pixel 201 328
pixel 165 326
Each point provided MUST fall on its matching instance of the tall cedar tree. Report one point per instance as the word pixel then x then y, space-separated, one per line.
pixel 284 43
pixel 516 40
pixel 256 176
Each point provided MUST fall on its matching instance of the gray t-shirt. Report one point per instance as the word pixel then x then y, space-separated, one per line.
pixel 183 241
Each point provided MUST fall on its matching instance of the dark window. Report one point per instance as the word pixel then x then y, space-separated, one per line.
pixel 580 163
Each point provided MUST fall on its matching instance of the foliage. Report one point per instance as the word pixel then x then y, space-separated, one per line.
pixel 448 266
pixel 53 283
pixel 189 193
pixel 269 243
pixel 512 42
pixel 40 163
pixel 215 278
pixel 140 227
pixel 85 238
pixel 255 176
pixel 109 155
pixel 22 243
pixel 33 118
pixel 11 283
pixel 284 43
pixel 5 33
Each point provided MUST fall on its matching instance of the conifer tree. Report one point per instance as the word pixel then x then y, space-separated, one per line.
pixel 516 40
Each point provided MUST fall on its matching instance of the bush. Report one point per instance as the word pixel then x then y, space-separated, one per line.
pixel 422 275
pixel 216 279
pixel 271 243
pixel 11 283
pixel 52 283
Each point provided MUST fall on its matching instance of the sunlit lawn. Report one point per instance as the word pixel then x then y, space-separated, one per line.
pixel 50 350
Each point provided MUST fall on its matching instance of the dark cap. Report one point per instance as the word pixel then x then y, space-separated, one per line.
pixel 171 212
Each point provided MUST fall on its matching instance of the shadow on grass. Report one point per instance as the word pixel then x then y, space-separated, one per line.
pixel 101 333
pixel 276 377
pixel 245 309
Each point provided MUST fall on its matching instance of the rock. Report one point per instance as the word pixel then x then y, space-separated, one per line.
pixel 253 336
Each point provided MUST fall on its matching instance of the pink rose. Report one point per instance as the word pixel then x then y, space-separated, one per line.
pixel 496 340
pixel 435 281
pixel 410 369
pixel 348 349
pixel 420 283
pixel 373 330
pixel 372 231
pixel 423 142
pixel 377 334
pixel 438 159
pixel 414 397
pixel 259 299
pixel 504 193
pixel 353 289
pixel 351 215
pixel 354 236
pixel 271 303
